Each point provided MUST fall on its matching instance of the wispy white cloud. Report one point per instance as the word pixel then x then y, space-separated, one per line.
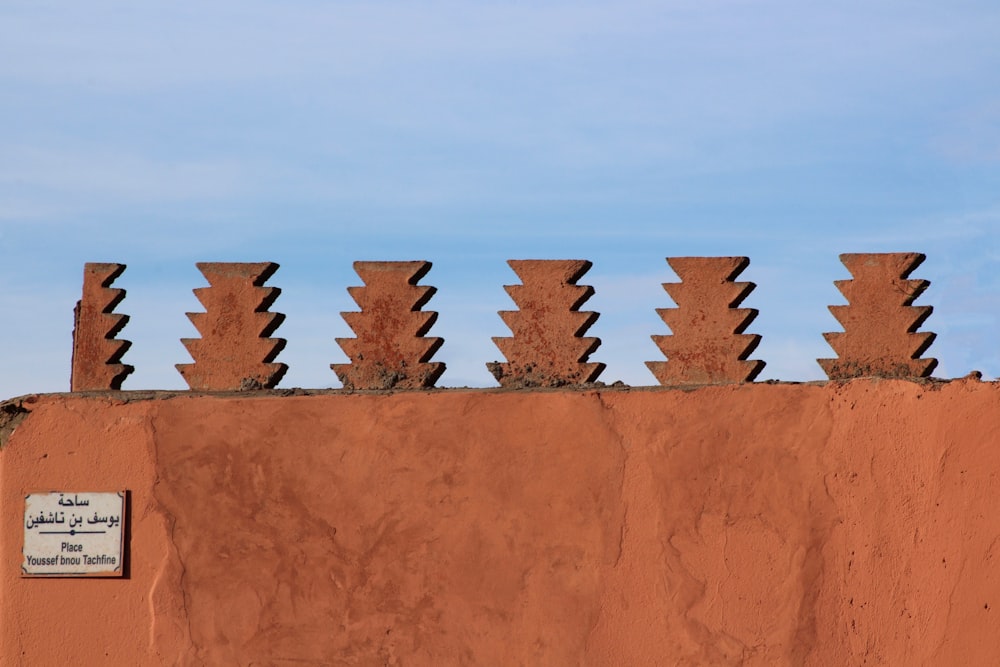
pixel 719 61
pixel 312 133
pixel 971 134
pixel 97 174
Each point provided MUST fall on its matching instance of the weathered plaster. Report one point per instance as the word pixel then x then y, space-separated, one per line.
pixel 840 523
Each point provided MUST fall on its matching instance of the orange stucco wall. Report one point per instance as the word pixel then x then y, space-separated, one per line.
pixel 836 524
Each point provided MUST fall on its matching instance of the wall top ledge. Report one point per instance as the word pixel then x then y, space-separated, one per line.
pixel 132 395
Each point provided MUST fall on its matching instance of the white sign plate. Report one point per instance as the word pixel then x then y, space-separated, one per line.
pixel 68 534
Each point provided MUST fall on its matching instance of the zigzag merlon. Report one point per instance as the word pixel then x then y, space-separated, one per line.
pixel 547 348
pixel 390 349
pixel 97 354
pixel 707 345
pixel 234 351
pixel 707 342
pixel 880 335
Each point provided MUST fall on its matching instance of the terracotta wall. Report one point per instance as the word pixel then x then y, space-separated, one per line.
pixel 758 524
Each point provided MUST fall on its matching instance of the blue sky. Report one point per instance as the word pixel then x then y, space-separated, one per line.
pixel 313 134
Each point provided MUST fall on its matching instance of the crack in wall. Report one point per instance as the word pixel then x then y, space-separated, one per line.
pixel 175 555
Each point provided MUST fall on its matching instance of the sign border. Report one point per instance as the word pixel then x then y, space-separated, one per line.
pixel 119 572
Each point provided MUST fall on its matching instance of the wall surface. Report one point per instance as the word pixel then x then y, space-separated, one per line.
pixel 759 524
